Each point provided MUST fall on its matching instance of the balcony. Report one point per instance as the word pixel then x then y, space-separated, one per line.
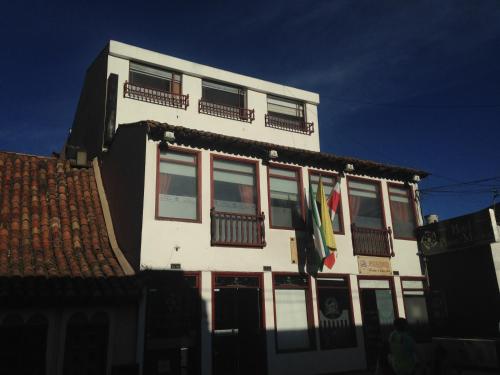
pixel 154 96
pixel 372 242
pixel 292 125
pixel 228 229
pixel 226 111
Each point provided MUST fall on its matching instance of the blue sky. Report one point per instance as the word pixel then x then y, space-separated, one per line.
pixel 412 83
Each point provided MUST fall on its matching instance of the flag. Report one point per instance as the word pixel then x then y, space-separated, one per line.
pixel 324 240
pixel 333 204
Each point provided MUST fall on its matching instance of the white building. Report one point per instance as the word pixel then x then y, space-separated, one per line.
pixel 207 175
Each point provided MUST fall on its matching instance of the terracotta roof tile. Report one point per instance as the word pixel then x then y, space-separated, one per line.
pixel 51 221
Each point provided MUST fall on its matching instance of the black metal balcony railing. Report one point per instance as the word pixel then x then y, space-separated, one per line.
pixel 292 125
pixel 229 229
pixel 226 111
pixel 154 96
pixel 372 242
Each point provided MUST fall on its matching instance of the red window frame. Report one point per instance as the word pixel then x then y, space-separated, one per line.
pixel 340 212
pixel 309 312
pixel 391 287
pixel 159 158
pixel 413 208
pixel 237 160
pixel 381 198
pixel 351 306
pixel 300 187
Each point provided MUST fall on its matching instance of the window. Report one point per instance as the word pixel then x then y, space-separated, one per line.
pixel 402 212
pixel 329 182
pixel 154 78
pixel 178 185
pixel 365 204
pixel 336 325
pixel 415 304
pixel 225 101
pixel 235 216
pixel 285 198
pixel 287 114
pixel 294 327
pixel 235 188
pixel 86 346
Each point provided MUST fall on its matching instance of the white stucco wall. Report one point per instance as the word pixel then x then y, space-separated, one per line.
pixel 161 238
pixel 131 110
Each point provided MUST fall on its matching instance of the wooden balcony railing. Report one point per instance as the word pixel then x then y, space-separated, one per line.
pixel 372 242
pixel 154 96
pixel 291 125
pixel 226 111
pixel 229 229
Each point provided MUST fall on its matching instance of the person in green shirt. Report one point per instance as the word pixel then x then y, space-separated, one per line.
pixel 402 355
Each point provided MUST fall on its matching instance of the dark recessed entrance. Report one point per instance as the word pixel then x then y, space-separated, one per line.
pixel 378 310
pixel 239 345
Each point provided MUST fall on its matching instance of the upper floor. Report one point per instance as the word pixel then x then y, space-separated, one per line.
pixel 200 200
pixel 126 84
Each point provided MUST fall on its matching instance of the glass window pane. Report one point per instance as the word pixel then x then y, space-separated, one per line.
pixel 416 314
pixel 413 284
pixel 286 186
pixel 177 191
pixel 285 202
pixel 367 283
pixel 362 186
pixel 223 94
pixel 234 188
pixel 234 166
pixel 188 158
pixel 366 209
pixel 336 327
pixel 150 70
pixel 291 319
pixel 149 81
pixel 403 218
pixel 285 107
pixel 397 190
pixel 283 172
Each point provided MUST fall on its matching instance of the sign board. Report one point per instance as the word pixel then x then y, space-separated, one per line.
pixel 456 234
pixel 374 266
pixel 293 251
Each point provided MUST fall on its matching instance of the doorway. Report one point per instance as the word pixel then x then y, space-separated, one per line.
pixel 378 310
pixel 238 325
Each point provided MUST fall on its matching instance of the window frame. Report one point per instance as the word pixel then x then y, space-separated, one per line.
pixel 297 103
pixel 311 329
pixel 347 278
pixel 377 183
pixel 340 212
pixel 242 91
pixel 199 194
pixel 159 68
pixel 300 187
pixel 392 288
pixel 425 289
pixel 235 159
pixel 413 208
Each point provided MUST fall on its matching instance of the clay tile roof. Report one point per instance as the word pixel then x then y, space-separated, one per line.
pixel 51 221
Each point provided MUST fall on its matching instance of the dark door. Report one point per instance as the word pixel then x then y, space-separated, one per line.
pixel 378 317
pixel 238 335
pixel 172 337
